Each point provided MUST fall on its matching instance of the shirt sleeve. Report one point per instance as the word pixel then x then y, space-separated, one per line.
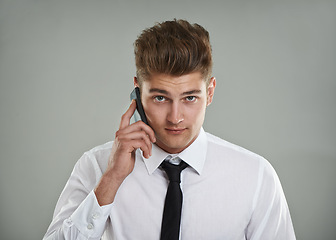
pixel 77 214
pixel 270 217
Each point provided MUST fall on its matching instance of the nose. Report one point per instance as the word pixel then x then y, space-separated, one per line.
pixel 175 115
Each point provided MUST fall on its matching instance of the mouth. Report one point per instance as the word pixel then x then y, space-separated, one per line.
pixel 175 131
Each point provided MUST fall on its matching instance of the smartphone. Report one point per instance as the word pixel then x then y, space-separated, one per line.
pixel 139 113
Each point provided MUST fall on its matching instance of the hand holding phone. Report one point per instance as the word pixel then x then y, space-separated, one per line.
pixel 128 138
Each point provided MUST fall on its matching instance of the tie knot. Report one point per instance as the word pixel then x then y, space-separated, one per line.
pixel 173 171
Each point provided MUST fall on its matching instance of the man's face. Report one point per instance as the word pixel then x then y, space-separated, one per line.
pixel 175 108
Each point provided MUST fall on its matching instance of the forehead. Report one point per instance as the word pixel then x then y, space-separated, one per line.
pixel 175 84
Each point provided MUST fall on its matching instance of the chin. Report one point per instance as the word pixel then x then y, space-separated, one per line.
pixel 173 146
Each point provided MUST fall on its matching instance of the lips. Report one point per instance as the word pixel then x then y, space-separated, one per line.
pixel 175 130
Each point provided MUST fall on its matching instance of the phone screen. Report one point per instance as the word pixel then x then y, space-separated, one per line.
pixel 139 113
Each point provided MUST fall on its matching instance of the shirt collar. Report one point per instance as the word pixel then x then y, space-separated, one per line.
pixel 194 155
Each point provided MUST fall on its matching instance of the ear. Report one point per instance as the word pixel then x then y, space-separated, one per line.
pixel 211 90
pixel 135 81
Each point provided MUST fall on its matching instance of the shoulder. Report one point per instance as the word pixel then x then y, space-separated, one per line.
pixel 240 162
pixel 227 151
pixel 222 145
pixel 100 149
pixel 95 159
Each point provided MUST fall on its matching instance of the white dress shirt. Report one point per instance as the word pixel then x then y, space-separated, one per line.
pixel 228 193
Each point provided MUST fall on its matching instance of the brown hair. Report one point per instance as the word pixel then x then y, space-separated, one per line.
pixel 174 48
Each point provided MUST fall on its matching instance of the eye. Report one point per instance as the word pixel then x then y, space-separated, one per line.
pixel 191 99
pixel 159 98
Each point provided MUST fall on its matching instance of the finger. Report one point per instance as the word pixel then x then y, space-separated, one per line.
pixel 149 131
pixel 134 144
pixel 126 117
pixel 138 126
pixel 146 150
pixel 139 135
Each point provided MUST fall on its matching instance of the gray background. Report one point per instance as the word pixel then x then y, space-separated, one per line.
pixel 66 71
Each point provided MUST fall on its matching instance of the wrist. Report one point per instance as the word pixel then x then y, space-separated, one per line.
pixel 113 177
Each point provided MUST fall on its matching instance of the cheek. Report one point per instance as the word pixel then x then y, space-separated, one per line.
pixel 195 114
pixel 154 113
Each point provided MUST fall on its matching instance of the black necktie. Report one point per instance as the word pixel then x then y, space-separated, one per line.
pixel 171 219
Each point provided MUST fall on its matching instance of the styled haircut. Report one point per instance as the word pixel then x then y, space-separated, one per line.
pixel 173 48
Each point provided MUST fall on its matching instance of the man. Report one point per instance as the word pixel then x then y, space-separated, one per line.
pixel 118 190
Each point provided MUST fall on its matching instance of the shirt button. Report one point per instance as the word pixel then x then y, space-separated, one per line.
pixel 68 221
pixel 95 215
pixel 90 226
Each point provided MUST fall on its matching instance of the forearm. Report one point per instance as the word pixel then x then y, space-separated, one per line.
pixel 107 188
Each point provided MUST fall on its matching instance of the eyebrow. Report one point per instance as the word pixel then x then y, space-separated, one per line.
pixel 158 90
